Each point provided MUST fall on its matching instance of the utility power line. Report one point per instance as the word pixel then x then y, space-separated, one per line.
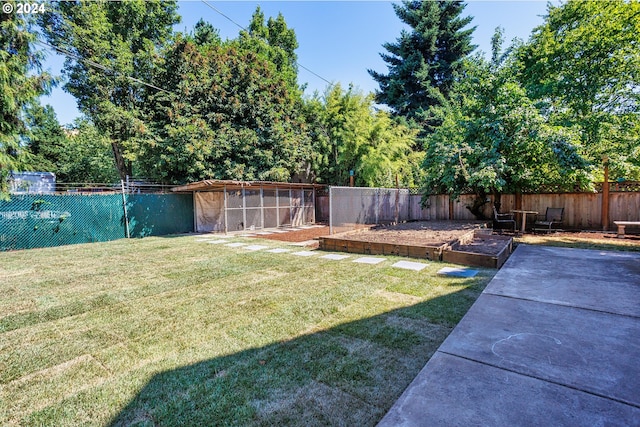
pixel 243 28
pixel 100 66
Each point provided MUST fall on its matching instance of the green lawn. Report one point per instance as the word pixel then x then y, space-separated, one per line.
pixel 171 331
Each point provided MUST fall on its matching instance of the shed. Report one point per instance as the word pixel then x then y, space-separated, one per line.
pixel 224 206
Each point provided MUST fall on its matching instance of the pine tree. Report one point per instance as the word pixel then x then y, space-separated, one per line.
pixel 21 83
pixel 422 63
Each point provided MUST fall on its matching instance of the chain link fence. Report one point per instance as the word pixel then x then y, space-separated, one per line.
pixel 43 220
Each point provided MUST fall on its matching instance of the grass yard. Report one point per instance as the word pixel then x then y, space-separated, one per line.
pixel 172 331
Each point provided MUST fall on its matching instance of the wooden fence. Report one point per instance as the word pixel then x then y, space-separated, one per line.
pixel 582 211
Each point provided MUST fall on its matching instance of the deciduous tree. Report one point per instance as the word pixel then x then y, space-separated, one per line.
pixel 583 66
pixel 111 49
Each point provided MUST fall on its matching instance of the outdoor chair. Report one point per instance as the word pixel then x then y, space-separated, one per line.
pixel 503 219
pixel 551 217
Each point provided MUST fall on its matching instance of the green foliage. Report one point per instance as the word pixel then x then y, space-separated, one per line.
pixel 46 141
pixel 232 115
pixel 493 139
pixel 88 156
pixel 21 82
pixel 113 43
pixel 583 67
pixel 423 62
pixel 349 135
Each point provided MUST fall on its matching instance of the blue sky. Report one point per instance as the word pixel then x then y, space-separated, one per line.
pixel 339 40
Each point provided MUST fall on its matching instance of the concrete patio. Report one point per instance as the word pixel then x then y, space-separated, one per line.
pixel 553 340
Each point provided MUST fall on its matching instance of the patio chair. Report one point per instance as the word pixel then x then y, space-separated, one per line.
pixel 551 217
pixel 504 218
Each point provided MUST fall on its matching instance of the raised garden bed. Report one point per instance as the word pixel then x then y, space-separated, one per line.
pixel 451 241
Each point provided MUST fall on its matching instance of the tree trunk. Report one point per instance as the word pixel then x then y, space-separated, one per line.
pixel 124 167
pixel 476 207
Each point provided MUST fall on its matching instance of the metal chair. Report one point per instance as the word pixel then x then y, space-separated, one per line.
pixel 505 218
pixel 551 217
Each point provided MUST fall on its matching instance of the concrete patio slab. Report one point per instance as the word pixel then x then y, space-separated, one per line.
pixel 548 342
pixel 582 349
pixel 597 280
pixel 453 391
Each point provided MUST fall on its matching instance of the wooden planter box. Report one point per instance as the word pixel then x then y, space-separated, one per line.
pixel 446 252
pixel 456 256
pixel 372 248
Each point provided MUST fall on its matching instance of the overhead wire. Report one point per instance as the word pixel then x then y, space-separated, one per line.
pixel 100 66
pixel 243 28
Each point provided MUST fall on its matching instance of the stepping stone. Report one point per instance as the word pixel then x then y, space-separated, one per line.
pixel 278 250
pixel 335 257
pixel 280 231
pixel 247 235
pixel 255 247
pixel 235 245
pixel 369 260
pixel 457 272
pixel 216 242
pixel 203 240
pixel 408 265
pixel 304 253
pixel 264 233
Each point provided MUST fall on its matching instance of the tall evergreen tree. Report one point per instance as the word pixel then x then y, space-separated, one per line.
pixel 422 62
pixel 21 82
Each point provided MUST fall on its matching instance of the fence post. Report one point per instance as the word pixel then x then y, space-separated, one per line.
pixel 605 195
pixel 330 211
pixel 124 208
pixel 450 208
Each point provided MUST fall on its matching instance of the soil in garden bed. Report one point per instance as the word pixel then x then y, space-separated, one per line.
pixel 482 245
pixel 419 233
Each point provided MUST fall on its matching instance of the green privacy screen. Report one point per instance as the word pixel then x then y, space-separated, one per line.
pixel 33 221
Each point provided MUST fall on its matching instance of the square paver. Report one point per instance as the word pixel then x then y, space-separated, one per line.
pixel 457 272
pixel 368 260
pixel 335 257
pixel 278 250
pixel 304 253
pixel 408 265
pixel 236 244
pixel 216 242
pixel 255 247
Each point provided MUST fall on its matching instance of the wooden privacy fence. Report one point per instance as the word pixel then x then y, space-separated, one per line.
pixel 582 211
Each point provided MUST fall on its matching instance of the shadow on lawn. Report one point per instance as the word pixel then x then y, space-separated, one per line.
pixel 349 374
